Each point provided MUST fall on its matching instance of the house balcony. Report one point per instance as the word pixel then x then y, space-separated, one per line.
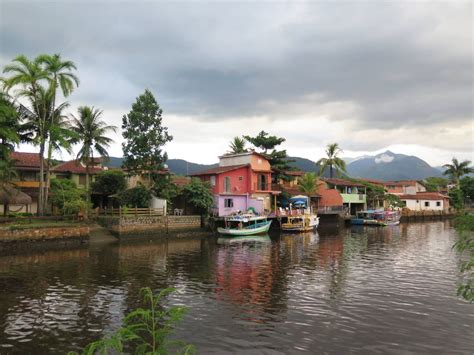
pixel 264 187
pixel 354 198
pixel 26 184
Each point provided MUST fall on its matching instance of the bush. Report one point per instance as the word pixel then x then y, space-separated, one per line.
pixel 465 226
pixel 66 196
pixel 138 196
pixel 109 182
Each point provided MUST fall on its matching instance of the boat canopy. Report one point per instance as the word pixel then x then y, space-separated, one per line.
pixel 299 200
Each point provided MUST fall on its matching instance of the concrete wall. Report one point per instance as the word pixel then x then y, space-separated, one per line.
pixel 149 224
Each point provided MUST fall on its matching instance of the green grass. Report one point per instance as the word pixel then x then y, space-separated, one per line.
pixel 38 224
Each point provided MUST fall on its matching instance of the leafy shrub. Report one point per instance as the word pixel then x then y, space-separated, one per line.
pixel 465 244
pixel 109 182
pixel 66 196
pixel 145 330
pixel 138 196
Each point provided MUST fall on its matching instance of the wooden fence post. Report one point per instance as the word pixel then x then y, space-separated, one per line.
pixel 136 212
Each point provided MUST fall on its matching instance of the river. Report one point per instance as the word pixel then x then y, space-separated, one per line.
pixel 349 290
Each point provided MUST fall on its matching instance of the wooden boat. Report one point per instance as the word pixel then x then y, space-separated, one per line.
pixel 301 219
pixel 301 223
pixel 377 218
pixel 242 225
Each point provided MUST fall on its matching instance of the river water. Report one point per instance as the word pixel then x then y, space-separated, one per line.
pixel 349 290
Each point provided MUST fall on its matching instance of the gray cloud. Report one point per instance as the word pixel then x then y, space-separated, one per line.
pixel 380 65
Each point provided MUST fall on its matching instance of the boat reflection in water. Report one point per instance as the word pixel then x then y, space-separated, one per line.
pixel 245 239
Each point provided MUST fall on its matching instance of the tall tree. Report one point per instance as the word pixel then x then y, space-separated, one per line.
pixel 264 141
pixel 29 75
pixel 145 136
pixel 61 137
pixel 9 126
pixel 92 136
pixel 457 169
pixel 237 145
pixel 332 160
pixel 39 80
pixel 278 159
pixel 308 183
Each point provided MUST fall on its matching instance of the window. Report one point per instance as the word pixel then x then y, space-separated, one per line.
pixel 227 184
pixel 212 180
pixel 438 203
pixel 82 180
pixel 241 178
pixel 427 203
pixel 228 202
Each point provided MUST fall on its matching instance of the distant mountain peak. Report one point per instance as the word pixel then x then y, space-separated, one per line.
pixel 386 157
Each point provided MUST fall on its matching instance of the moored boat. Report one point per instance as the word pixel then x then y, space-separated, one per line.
pixel 376 218
pixel 242 225
pixel 301 219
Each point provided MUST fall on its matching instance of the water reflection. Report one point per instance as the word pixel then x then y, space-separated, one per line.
pixel 360 289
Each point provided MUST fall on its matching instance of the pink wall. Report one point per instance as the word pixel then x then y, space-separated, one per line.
pixel 240 203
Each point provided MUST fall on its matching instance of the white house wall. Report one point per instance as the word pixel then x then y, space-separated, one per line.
pixel 420 205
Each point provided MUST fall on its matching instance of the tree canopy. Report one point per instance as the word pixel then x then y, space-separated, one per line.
pixel 144 136
pixel 332 160
pixel 109 182
pixel 199 194
pixel 457 169
pixel 278 159
pixel 237 145
pixel 308 183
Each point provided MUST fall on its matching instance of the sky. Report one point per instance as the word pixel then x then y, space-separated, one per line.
pixel 372 75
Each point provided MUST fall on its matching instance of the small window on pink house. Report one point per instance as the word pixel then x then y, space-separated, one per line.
pixel 212 180
pixel 241 178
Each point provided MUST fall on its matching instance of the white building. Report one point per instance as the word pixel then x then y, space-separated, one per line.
pixel 426 201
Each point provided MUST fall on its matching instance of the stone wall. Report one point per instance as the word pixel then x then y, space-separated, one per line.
pixel 44 234
pixel 147 224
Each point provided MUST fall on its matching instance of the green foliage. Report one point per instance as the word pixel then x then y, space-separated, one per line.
pixel 145 330
pixel 434 184
pixel 308 183
pixel 237 145
pixel 199 194
pixel 163 187
pixel 278 159
pixel 66 196
pixel 456 198
pixel 138 196
pixel 394 201
pixel 9 126
pixel 109 182
pixel 144 136
pixel 332 161
pixel 456 170
pixel 465 244
pixel 264 141
pixel 467 188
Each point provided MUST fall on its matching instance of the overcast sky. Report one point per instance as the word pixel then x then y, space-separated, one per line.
pixel 369 75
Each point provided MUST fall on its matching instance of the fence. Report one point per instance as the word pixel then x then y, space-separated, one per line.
pixel 131 212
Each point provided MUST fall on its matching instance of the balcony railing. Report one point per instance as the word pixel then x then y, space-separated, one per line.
pixel 30 184
pixel 262 186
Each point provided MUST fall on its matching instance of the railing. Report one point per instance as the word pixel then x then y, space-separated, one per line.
pixel 262 186
pixel 130 212
pixel 26 183
pixel 332 209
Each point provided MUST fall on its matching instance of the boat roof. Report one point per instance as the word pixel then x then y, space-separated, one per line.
pixel 240 217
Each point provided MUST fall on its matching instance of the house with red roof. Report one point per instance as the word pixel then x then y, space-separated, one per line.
pixel 76 171
pixel 241 181
pixel 425 201
pixel 353 193
pixel 404 187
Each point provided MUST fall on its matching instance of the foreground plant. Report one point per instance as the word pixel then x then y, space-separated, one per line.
pixel 465 225
pixel 145 330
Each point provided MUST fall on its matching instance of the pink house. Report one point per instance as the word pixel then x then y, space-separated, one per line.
pixel 241 181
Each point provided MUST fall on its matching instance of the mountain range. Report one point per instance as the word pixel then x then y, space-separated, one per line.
pixel 383 166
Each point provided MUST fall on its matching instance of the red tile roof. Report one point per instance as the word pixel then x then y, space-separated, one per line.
pixel 403 183
pixel 75 167
pixel 180 180
pixel 424 196
pixel 27 160
pixel 342 182
pixel 220 170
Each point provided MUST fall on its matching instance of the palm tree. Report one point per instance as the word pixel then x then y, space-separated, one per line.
pixel 29 75
pixel 91 134
pixel 308 183
pixel 237 145
pixel 457 169
pixel 61 136
pixel 332 160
